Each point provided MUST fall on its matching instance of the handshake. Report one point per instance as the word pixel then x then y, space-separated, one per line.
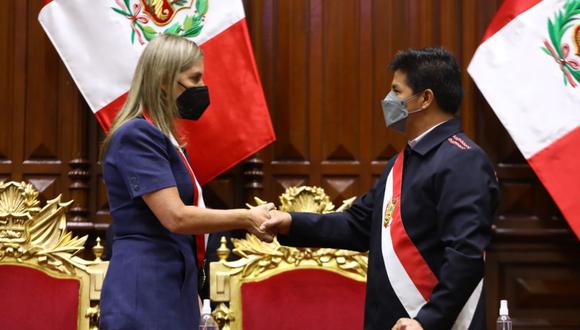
pixel 265 222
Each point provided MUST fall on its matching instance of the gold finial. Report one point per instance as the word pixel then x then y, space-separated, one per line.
pixel 223 252
pixel 98 250
pixel 92 314
pixel 223 316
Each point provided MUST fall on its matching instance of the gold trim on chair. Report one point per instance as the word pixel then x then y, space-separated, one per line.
pixel 37 237
pixel 259 260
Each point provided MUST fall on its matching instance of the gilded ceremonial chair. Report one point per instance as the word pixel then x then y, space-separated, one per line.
pixel 43 285
pixel 275 286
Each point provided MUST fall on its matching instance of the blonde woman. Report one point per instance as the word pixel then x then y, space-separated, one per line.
pixel 155 201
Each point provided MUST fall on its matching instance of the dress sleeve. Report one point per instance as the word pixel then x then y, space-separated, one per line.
pixel 143 158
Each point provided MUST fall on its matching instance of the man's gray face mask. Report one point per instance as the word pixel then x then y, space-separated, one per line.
pixel 395 111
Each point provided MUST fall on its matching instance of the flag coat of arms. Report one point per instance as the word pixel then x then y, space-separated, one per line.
pixel 528 69
pixel 100 43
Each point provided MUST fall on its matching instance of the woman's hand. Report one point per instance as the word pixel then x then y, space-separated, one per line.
pixel 407 324
pixel 256 217
pixel 279 223
pixel 187 219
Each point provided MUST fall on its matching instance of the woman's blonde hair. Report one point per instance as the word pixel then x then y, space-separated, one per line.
pixel 161 61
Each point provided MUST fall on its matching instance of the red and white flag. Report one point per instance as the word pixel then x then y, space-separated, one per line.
pixel 528 69
pixel 101 41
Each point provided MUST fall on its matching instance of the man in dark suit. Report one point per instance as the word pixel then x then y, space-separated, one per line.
pixel 427 221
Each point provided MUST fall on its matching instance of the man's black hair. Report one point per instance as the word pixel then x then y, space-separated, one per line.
pixel 435 69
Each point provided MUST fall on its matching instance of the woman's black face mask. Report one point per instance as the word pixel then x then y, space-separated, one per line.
pixel 193 102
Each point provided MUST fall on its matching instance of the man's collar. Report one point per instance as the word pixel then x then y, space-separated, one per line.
pixel 416 140
pixel 437 135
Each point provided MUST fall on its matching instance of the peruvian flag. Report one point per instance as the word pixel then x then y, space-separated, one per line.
pixel 101 41
pixel 528 69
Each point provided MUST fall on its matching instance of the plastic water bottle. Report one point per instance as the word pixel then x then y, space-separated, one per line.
pixel 207 322
pixel 504 322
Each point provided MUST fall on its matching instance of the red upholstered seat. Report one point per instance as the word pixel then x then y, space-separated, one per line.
pixel 303 299
pixel 43 285
pixel 31 299
pixel 272 286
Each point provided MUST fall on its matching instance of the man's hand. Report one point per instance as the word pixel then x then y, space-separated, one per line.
pixel 407 324
pixel 257 216
pixel 279 223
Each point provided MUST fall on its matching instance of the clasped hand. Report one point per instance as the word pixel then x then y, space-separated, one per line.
pixel 265 222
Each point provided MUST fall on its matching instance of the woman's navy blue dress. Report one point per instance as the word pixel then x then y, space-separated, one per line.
pixel 151 282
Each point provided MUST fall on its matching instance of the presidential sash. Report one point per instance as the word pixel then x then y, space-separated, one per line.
pixel 409 274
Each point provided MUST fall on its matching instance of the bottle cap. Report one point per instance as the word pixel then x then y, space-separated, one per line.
pixel 206 309
pixel 503 308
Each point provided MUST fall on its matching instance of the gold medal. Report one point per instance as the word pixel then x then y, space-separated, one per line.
pixel 389 211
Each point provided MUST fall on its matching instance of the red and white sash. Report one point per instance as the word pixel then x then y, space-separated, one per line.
pixel 408 272
pixel 200 240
